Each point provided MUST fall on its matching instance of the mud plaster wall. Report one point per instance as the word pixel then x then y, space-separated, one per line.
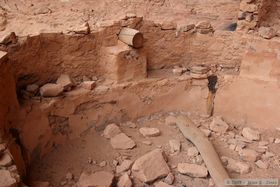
pixel 44 57
pixel 164 49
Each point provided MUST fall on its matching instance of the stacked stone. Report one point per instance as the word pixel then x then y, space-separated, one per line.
pixel 251 13
pixel 248 15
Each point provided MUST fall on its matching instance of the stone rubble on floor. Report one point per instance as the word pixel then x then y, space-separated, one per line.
pixel 98 179
pixel 111 130
pixel 122 141
pixel 150 166
pixel 175 146
pixel 250 134
pixel 219 125
pixel 192 170
pixel 236 166
pixel 149 132
pixel 124 181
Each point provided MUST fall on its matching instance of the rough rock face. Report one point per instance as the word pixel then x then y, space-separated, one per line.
pixel 98 179
pixel 192 170
pixel 150 166
pixel 122 141
pixel 51 90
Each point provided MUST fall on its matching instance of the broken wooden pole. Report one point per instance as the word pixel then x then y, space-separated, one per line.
pixel 132 37
pixel 206 149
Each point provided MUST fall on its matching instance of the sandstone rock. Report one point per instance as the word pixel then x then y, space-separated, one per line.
pixel 149 132
pixel 271 140
pixel 261 164
pixel 232 147
pixel 248 155
pixel 168 26
pixel 89 85
pixel 250 134
pixel 178 71
pixel 169 179
pixel 147 142
pixel 162 184
pixel 102 164
pixel 6 179
pixel 32 88
pixel 236 166
pixel 247 7
pixel 111 130
pixel 125 165
pixel 187 28
pixel 205 31
pixel 130 15
pixel 150 166
pixel 198 75
pixel 267 32
pixel 5 160
pixel 98 179
pixel 124 181
pixel 268 155
pixel 175 146
pixel 219 125
pixel 51 90
pixel 69 176
pixel 192 152
pixel 42 10
pixel 263 143
pixel 122 141
pixel 205 131
pixel 115 163
pixel 65 81
pixel 203 25
pixel 277 140
pixel 170 120
pixel 192 170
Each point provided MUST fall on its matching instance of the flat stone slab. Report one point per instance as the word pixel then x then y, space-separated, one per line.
pixel 122 141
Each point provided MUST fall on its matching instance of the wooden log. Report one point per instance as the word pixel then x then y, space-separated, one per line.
pixel 206 149
pixel 131 37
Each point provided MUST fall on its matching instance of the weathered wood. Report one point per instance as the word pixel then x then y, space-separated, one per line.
pixel 131 37
pixel 206 149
